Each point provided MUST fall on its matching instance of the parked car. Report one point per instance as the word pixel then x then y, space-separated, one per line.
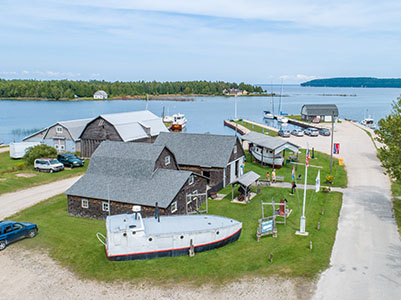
pixel 11 232
pixel 70 160
pixel 324 131
pixel 297 132
pixel 311 131
pixel 284 133
pixel 48 165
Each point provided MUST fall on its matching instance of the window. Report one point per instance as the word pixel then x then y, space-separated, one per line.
pixel 62 148
pixel 101 122
pixel 167 160
pixel 17 226
pixel 191 179
pixel 105 206
pixel 56 146
pixel 85 203
pixel 235 149
pixel 194 193
pixel 59 129
pixel 174 207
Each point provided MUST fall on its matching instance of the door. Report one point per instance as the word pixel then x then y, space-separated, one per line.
pixel 232 172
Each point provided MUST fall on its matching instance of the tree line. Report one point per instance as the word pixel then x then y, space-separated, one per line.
pixel 369 82
pixel 68 89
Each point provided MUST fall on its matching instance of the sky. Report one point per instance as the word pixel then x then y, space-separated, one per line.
pixel 252 41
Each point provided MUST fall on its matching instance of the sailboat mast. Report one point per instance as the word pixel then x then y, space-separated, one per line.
pixel 272 98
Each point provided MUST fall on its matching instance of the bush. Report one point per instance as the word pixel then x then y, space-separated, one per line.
pixel 38 152
pixel 329 179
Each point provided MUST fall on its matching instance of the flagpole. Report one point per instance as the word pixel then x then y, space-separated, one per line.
pixel 301 230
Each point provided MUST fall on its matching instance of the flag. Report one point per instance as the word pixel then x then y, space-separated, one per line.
pixel 293 173
pixel 307 157
pixel 317 187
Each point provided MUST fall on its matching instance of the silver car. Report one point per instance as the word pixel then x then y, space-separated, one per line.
pixel 297 132
pixel 48 165
pixel 312 131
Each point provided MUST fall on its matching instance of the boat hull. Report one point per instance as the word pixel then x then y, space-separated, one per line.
pixel 277 162
pixel 176 252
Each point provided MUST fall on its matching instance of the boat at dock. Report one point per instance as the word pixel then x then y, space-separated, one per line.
pixel 131 237
pixel 176 122
pixel 267 114
pixel 369 122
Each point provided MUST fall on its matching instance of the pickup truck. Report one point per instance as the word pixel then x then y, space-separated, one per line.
pixel 11 232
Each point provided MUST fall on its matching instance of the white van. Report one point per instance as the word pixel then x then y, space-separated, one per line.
pixel 48 165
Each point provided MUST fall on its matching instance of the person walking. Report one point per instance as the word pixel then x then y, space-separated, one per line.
pixel 274 176
pixel 268 176
pixel 293 186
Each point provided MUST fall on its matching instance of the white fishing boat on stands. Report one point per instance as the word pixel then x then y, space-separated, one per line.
pixel 131 237
pixel 176 122
pixel 282 119
pixel 268 114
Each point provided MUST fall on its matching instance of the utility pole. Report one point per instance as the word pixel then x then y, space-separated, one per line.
pixel 332 141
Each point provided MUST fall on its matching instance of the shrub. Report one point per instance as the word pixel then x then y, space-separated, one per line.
pixel 329 179
pixel 38 152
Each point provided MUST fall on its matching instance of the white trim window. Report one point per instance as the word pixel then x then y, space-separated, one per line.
pixel 174 207
pixel 101 122
pixel 62 148
pixel 196 197
pixel 85 203
pixel 235 149
pixel 59 129
pixel 191 180
pixel 167 160
pixel 105 206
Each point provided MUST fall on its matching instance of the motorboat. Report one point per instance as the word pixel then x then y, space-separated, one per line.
pixel 369 122
pixel 282 119
pixel 268 114
pixel 131 237
pixel 176 122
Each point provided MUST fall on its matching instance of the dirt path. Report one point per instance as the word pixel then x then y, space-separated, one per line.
pixel 4 149
pixel 14 202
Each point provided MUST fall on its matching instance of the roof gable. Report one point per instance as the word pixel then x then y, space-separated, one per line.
pixel 319 109
pixel 207 150
pixel 269 142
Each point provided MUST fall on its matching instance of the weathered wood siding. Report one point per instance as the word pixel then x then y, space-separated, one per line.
pixel 160 162
pixel 95 210
pixel 215 177
pixel 200 184
pixel 52 133
pixel 97 131
pixel 240 152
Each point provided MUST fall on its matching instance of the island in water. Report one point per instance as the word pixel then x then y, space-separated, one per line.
pixel 357 82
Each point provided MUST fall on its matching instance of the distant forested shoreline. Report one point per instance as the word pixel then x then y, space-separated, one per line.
pixel 368 82
pixel 69 89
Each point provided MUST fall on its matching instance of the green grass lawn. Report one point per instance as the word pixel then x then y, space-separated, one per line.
pixel 396 190
pixel 9 167
pixel 321 159
pixel 256 128
pixel 71 242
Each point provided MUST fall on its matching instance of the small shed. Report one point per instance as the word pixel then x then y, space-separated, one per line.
pixel 267 149
pixel 245 181
pixel 100 95
pixel 322 112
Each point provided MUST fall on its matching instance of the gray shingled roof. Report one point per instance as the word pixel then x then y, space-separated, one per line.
pixel 116 172
pixel 247 179
pixel 269 142
pixel 319 109
pixel 206 150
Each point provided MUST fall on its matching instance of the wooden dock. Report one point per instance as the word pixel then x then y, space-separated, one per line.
pixel 241 129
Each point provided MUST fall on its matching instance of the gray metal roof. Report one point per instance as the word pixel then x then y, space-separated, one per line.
pixel 319 109
pixel 136 124
pixel 247 179
pixel 116 172
pixel 206 150
pixel 269 142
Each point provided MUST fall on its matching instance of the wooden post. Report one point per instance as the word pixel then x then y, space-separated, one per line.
pixel 271 257
pixel 274 158
pixel 232 192
pixel 310 245
pixel 322 211
pixel 318 225
pixel 191 249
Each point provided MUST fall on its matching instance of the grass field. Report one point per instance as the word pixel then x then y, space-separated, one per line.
pixel 396 191
pixel 71 242
pixel 256 128
pixel 9 168
pixel 321 159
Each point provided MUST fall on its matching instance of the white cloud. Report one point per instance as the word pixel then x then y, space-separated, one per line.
pixel 6 73
pixel 298 77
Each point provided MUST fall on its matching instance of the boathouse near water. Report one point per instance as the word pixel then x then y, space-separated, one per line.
pixel 220 158
pixel 100 95
pixel 121 175
pixel 267 149
pixel 136 126
pixel 319 112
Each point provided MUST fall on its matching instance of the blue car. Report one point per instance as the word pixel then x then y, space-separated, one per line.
pixel 11 232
